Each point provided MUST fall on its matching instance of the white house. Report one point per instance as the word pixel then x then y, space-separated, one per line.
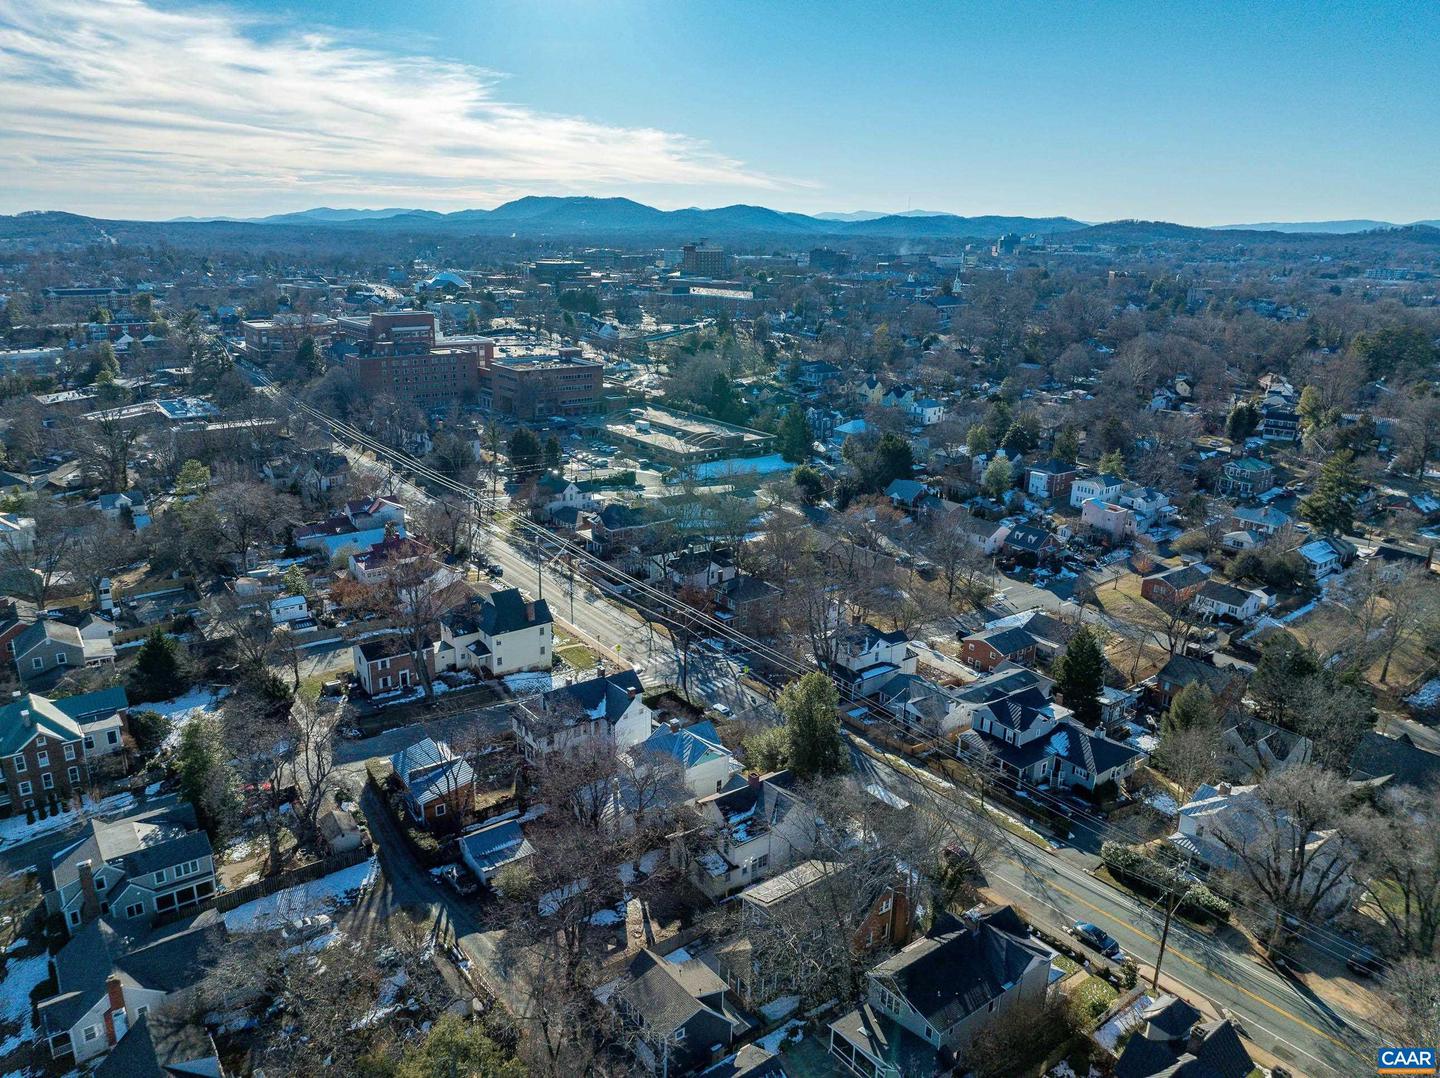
pixel 926 411
pixel 704 761
pixel 287 608
pixel 497 634
pixel 609 708
pixel 1105 486
pixel 1216 600
pixel 757 827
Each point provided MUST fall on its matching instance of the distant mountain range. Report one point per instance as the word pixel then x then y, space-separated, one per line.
pixel 1327 227
pixel 545 215
pixel 564 214
pixel 625 220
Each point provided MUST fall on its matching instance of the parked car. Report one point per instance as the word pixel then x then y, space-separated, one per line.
pixel 1365 963
pixel 460 878
pixel 494 572
pixel 722 709
pixel 1096 937
pixel 306 928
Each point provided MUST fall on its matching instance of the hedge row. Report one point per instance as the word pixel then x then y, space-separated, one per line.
pixel 1151 874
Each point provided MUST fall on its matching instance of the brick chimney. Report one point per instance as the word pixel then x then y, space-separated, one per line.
pixel 115 1001
pixel 753 780
pixel 90 897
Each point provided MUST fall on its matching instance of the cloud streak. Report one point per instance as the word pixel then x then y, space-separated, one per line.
pixel 125 103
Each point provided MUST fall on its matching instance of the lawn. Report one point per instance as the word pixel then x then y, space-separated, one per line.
pixel 577 655
pixel 1094 996
pixel 1329 628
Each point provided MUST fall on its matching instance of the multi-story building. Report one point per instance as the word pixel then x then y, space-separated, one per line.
pixel 42 754
pixel 702 260
pixel 530 386
pixel 133 869
pixel 497 634
pixel 1246 477
pixel 281 335
pixel 400 353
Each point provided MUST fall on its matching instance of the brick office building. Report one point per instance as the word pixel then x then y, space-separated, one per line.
pixel 400 353
pixel 564 383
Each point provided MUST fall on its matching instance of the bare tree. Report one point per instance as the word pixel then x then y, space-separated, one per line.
pixel 1401 856
pixel 1409 992
pixel 260 738
pixel 313 754
pixel 38 561
pixel 1414 599
pixel 1291 845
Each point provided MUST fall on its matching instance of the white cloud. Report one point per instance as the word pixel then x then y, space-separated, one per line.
pixel 124 102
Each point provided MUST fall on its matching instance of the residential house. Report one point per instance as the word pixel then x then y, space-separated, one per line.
pixel 375 564
pixel 1220 820
pixel 926 411
pixel 1254 748
pixel 619 527
pixel 1027 735
pixel 17 533
pixel 751 1061
pixel 1175 587
pixel 680 1013
pixel 1049 632
pixel 497 634
pixel 1113 522
pixel 163 1044
pixel 285 609
pixel 388 663
pixel 493 846
pixel 436 785
pixel 101 716
pixel 1104 486
pixel 1032 544
pixel 42 754
pixel 748 603
pixel 1245 478
pixel 1326 555
pixel 557 495
pixel 865 657
pixel 702 570
pixel 1394 759
pixel 107 986
pixel 882 909
pixel 925 1005
pixel 987 536
pixel 1264 520
pixel 359 525
pixel 907 493
pixel 705 764
pixel 918 704
pixel 1226 684
pixel 1176 1041
pixel 1150 506
pixel 607 709
pixel 757 827
pixel 132 870
pixel 1217 600
pixel 987 650
pixel 1050 479
pixel 49 648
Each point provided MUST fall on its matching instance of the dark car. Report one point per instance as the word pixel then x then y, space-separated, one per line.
pixel 1096 937
pixel 460 878
pixel 1365 963
pixel 494 572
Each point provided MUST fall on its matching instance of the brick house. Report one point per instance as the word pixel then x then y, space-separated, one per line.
pixel 1246 477
pixel 1227 685
pixel 1050 479
pixel 1174 587
pixel 987 650
pixel 437 786
pixel 386 663
pixel 42 754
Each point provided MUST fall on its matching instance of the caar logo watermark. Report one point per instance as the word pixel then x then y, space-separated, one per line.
pixel 1405 1061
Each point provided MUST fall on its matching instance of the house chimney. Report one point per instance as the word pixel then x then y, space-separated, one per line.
pixel 25 719
pixel 674 725
pixel 753 779
pixel 1195 1043
pixel 115 991
pixel 1223 789
pixel 90 897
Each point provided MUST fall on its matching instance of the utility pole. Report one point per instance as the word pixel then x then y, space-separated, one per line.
pixel 1170 908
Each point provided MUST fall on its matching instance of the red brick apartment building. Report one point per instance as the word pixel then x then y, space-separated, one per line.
pixel 397 353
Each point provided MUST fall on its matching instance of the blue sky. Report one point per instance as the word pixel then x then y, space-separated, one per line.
pixel 1206 114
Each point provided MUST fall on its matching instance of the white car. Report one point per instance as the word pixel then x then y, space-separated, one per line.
pixel 722 709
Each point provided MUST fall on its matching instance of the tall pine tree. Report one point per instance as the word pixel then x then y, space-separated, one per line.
pixel 1331 506
pixel 812 720
pixel 1080 676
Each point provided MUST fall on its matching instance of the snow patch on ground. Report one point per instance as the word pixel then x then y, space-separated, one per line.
pixel 14 830
pixel 182 709
pixel 780 1008
pixel 528 682
pixel 771 1042
pixel 303 900
pixel 1427 696
pixel 1162 802
pixel 21 977
pixel 1122 1022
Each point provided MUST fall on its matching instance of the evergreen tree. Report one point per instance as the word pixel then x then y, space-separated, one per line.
pixel 769 749
pixel 1067 445
pixel 454 1048
pixel 978 440
pixel 1080 676
pixel 1241 422
pixel 795 436
pixel 1021 438
pixel 999 477
pixel 472 323
pixel 1331 506
pixel 554 457
pixel 809 482
pixel 308 363
pixel 193 480
pixel 158 673
pixel 1192 708
pixel 524 453
pixel 1113 462
pixel 812 722
pixel 206 780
